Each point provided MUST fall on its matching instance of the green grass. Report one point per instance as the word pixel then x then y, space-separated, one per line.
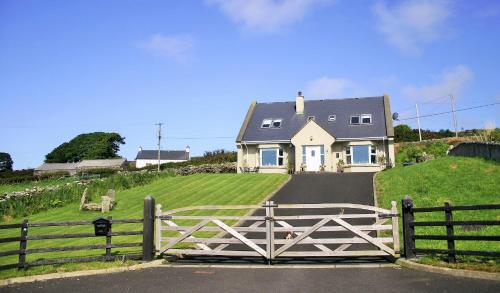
pixel 170 192
pixel 458 180
pixel 41 183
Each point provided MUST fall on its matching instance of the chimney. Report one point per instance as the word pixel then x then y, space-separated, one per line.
pixel 299 103
pixel 140 148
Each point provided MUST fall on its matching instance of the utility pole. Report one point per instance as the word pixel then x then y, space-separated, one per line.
pixel 159 143
pixel 418 122
pixel 454 114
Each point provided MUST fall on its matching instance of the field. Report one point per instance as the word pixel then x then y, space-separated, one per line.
pixel 170 192
pixel 458 180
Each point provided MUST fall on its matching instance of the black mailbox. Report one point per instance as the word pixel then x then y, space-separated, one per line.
pixel 101 226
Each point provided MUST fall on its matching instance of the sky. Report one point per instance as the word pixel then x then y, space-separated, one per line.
pixel 72 67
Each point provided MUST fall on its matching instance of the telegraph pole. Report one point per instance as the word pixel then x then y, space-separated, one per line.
pixel 454 114
pixel 159 143
pixel 418 122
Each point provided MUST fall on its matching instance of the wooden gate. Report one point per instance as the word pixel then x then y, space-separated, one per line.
pixel 269 233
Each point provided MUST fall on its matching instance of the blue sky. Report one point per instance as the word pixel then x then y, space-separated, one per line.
pixel 70 67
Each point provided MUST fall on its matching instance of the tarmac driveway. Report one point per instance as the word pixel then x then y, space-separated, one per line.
pixel 327 188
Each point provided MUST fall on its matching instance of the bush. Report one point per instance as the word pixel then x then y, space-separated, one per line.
pixel 7 177
pixel 437 149
pixel 102 172
pixel 207 168
pixel 408 153
pixel 58 174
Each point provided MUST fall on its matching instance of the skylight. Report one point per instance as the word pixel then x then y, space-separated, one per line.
pixel 271 123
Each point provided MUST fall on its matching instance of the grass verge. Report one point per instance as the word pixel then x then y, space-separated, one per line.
pixel 458 180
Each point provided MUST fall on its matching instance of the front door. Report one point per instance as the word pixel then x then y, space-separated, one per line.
pixel 313 158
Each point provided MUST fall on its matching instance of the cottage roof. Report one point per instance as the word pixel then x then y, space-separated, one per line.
pixel 340 128
pixel 164 155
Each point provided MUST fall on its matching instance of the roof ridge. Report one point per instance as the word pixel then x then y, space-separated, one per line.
pixel 317 100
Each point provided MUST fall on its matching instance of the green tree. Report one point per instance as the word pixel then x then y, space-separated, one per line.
pixel 403 132
pixel 5 162
pixel 87 146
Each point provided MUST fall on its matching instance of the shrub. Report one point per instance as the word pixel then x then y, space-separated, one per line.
pixel 103 172
pixel 58 174
pixel 438 149
pixel 7 177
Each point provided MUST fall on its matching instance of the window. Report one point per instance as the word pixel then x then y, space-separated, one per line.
pixel 309 118
pixel 271 123
pixel 331 118
pixel 373 154
pixel 266 123
pixel 355 119
pixel 304 154
pixel 337 155
pixel 271 157
pixel 322 154
pixel 277 123
pixel 361 154
pixel 366 119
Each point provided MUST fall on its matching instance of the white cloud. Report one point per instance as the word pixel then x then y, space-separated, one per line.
pixel 266 15
pixel 328 88
pixel 451 81
pixel 177 48
pixel 412 24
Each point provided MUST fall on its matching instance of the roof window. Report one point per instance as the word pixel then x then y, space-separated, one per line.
pixel 271 123
pixel 354 119
pixel 331 118
pixel 361 119
pixel 309 118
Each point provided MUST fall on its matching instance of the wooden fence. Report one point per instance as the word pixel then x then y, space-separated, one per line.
pixel 24 238
pixel 409 225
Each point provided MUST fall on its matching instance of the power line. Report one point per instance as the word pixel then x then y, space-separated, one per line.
pixel 202 137
pixel 447 112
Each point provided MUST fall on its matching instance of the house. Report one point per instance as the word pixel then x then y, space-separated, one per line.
pixel 150 157
pixel 85 165
pixel 351 135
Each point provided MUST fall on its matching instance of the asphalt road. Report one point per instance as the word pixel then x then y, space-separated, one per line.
pixel 261 280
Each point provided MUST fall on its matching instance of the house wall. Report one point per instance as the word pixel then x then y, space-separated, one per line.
pixel 312 134
pixel 143 163
pixel 249 157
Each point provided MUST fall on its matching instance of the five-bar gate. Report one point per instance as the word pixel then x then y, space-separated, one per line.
pixel 272 231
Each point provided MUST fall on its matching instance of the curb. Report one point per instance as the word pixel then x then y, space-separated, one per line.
pixel 37 278
pixel 448 271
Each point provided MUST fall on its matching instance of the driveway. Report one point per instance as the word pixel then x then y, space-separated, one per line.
pixel 327 188
pixel 243 280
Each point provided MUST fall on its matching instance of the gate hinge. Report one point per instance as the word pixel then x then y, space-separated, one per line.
pixel 269 218
pixel 166 217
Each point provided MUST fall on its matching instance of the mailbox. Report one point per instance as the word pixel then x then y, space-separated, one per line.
pixel 102 226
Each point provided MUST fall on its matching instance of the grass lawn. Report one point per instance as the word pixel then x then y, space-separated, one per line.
pixel 41 183
pixel 170 192
pixel 458 180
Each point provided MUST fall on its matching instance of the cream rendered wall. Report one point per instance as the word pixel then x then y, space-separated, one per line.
pixel 382 148
pixel 249 156
pixel 312 134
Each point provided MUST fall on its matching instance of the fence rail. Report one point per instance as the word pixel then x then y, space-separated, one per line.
pixel 24 237
pixel 409 225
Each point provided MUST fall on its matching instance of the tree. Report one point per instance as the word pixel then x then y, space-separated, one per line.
pixel 87 146
pixel 5 162
pixel 403 132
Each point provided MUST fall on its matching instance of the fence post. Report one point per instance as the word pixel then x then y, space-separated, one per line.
pixel 108 240
pixel 148 233
pixel 449 233
pixel 408 229
pixel 23 244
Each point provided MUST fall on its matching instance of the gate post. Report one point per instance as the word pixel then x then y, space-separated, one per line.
pixel 148 229
pixel 270 230
pixel 408 229
pixel 395 227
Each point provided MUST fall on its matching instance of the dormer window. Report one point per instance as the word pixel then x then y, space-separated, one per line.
pixel 331 118
pixel 271 123
pixel 309 118
pixel 266 123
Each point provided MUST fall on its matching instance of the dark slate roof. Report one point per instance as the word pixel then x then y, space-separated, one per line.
pixel 320 109
pixel 164 155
